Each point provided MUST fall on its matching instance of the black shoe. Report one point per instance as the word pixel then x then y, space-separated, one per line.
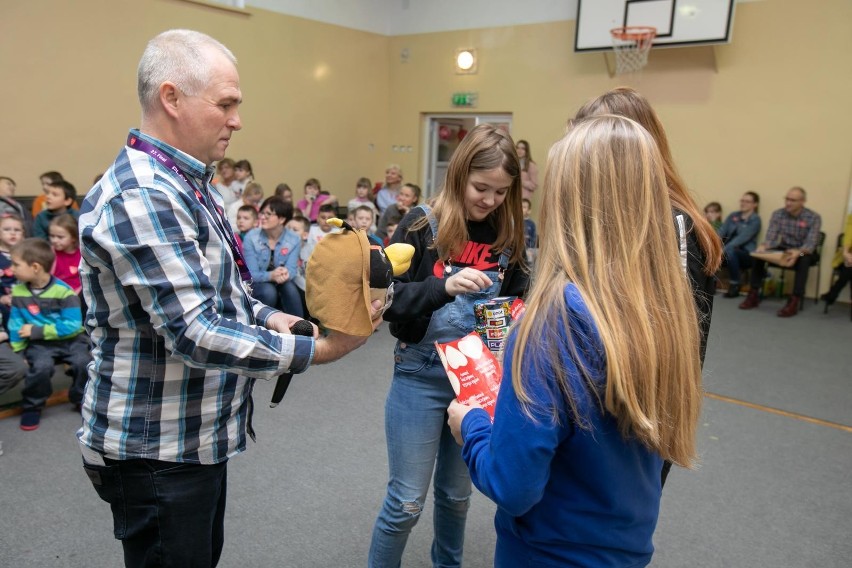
pixel 733 291
pixel 828 299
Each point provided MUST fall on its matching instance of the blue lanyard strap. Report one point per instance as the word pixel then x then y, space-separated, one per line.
pixel 215 211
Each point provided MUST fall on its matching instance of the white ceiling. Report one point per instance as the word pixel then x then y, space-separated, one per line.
pixel 404 17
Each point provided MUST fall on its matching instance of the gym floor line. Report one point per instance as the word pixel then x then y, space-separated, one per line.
pixel 60 397
pixel 786 413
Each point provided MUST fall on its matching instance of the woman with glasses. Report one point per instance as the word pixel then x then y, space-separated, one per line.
pixel 272 255
pixel 739 234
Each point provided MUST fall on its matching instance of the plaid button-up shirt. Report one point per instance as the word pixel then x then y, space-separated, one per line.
pixel 786 231
pixel 177 340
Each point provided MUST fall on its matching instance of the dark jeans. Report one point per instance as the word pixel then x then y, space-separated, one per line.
pixel 802 266
pixel 284 297
pixel 43 357
pixel 736 260
pixel 165 514
pixel 12 367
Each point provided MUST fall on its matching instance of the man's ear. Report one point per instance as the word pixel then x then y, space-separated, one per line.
pixel 169 97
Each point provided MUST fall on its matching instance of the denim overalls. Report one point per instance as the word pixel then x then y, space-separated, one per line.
pixel 417 434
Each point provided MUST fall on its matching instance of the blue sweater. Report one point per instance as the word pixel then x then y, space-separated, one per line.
pixel 566 496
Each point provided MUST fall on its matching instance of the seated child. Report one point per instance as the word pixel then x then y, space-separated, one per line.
pixel 301 226
pixel 64 240
pixel 45 179
pixel 390 229
pixel 11 233
pixel 322 228
pixel 45 324
pixel 8 205
pixel 246 220
pixel 62 233
pixel 252 196
pixel 713 213
pixel 313 200
pixel 58 198
pixel 363 219
pixel 283 191
pixel 362 198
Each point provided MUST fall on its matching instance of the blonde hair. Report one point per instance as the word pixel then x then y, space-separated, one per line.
pixel 253 189
pixel 485 148
pixel 603 228
pixel 624 101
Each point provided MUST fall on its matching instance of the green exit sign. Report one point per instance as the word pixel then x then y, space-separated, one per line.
pixel 465 99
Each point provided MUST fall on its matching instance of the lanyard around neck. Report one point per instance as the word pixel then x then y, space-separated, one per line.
pixel 215 211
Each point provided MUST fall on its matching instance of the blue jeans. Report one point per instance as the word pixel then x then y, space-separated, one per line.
pixel 736 258
pixel 284 297
pixel 165 514
pixel 419 442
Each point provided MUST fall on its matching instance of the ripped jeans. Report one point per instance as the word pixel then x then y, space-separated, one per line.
pixel 419 442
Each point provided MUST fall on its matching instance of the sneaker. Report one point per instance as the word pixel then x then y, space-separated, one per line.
pixel 30 419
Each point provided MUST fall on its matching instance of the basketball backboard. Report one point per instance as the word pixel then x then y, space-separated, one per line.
pixel 678 22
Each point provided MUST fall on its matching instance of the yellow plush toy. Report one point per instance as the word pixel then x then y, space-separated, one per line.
pixel 346 273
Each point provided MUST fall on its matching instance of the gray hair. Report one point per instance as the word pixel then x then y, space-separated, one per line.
pixel 177 56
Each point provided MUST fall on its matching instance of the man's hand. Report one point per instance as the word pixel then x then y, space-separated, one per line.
pixel 760 248
pixel 791 257
pixel 26 330
pixel 282 323
pixel 336 344
pixel 457 411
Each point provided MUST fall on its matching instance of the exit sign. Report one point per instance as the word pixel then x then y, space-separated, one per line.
pixel 465 99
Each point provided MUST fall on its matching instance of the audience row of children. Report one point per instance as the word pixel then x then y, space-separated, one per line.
pixel 278 237
pixel 40 302
pixel 41 305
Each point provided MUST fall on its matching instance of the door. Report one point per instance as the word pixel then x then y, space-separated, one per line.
pixel 443 133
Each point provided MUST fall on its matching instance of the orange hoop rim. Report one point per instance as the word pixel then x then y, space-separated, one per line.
pixel 634 33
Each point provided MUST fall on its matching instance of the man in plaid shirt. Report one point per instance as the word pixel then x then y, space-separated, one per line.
pixel 177 339
pixel 795 230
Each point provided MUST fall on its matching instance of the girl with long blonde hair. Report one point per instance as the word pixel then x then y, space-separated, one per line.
pixel 699 245
pixel 602 377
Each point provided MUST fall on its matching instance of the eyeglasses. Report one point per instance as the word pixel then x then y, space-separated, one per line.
pixel 267 214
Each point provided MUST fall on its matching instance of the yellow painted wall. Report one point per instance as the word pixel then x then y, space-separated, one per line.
pixel 315 95
pixel 763 113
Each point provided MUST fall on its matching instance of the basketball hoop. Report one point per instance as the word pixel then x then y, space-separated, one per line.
pixel 631 45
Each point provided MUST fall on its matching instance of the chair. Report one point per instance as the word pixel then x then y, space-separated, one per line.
pixel 835 274
pixel 816 263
